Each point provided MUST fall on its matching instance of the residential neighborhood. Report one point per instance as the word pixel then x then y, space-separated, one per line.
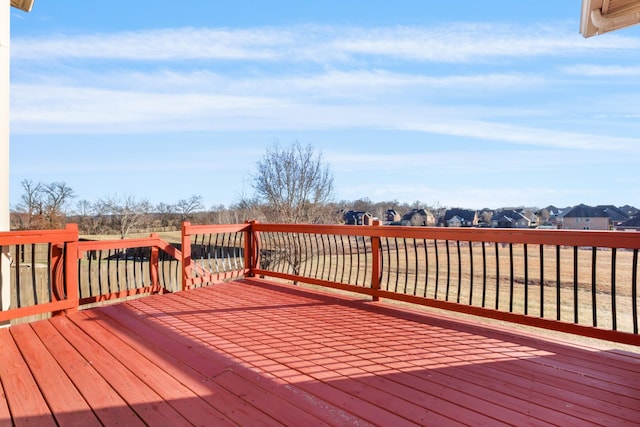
pixel 579 217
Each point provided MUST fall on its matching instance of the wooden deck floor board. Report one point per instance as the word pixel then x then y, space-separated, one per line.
pixel 191 321
pixel 149 406
pixel 5 414
pixel 254 352
pixel 105 402
pixel 212 365
pixel 65 401
pixel 189 404
pixel 210 386
pixel 25 402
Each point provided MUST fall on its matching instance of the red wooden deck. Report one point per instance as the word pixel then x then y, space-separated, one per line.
pixel 255 353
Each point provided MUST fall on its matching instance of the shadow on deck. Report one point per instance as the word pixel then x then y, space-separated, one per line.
pixel 252 352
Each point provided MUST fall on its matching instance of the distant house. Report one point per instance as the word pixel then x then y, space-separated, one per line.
pixel 460 218
pixel 418 217
pixel 391 217
pixel 583 217
pixel 549 217
pixel 357 218
pixel 632 224
pixel 509 218
pixel 484 217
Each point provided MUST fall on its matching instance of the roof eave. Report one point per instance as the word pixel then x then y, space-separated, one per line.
pixel 593 22
pixel 25 5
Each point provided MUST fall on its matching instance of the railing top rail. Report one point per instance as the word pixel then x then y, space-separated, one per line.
pixel 189 229
pixel 607 239
pixel 69 234
pixel 142 242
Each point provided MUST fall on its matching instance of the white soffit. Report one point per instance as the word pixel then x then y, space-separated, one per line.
pixel 602 16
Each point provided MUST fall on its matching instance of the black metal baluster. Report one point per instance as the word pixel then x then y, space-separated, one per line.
pixel 406 266
pixel 415 282
pixel 526 279
pixel 395 241
pixel 426 268
pixel 614 310
pixel 335 245
pixel 511 283
pixel 497 277
pixel 448 271
pixel 209 250
pixel 34 285
pixel 634 290
pixel 318 260
pixel 470 273
pixel 324 258
pixel 435 291
pixel 330 257
pixel 126 269
pixel 484 274
pixel 542 281
pixel 344 260
pixel 19 249
pixel 575 284
pixel 357 261
pixel 307 263
pixel 109 271
pixel 594 306
pixel 558 304
pixel 366 261
pixel 459 271
pixel 89 275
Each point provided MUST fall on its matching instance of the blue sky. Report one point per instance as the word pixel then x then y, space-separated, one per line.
pixel 460 104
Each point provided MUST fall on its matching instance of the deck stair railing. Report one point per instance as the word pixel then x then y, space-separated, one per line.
pixel 215 253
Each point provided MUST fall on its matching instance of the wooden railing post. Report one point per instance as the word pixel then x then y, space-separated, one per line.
pixel 154 265
pixel 186 254
pixel 376 262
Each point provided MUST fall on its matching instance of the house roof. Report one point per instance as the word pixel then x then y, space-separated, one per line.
pixel 601 211
pixel 630 210
pixel 616 214
pixel 633 222
pixel 602 16
pixel 509 216
pixel 464 214
pixel 412 212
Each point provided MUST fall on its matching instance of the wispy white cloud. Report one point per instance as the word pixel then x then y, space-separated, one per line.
pixel 446 43
pixel 527 135
pixel 603 70
pixel 169 44
pixel 324 84
pixel 54 109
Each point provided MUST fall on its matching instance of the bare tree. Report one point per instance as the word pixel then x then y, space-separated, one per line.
pixel 166 213
pixel 57 196
pixel 43 205
pixel 293 184
pixel 31 203
pixel 186 207
pixel 125 214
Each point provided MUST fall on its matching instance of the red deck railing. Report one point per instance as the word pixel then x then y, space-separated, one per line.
pixel 580 282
